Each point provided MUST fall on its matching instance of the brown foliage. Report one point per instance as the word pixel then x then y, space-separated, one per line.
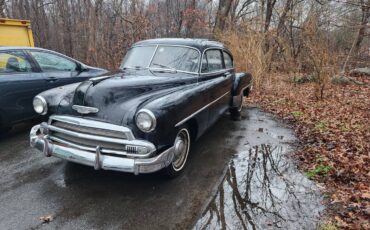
pixel 317 57
pixel 335 132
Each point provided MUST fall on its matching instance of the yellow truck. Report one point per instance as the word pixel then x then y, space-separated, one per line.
pixel 14 32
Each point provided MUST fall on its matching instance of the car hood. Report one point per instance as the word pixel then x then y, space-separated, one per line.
pixel 120 95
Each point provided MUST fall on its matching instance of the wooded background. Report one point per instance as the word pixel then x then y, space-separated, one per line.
pixel 315 36
pixel 299 52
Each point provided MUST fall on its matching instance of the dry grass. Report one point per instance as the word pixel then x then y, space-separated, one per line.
pixel 264 53
pixel 247 49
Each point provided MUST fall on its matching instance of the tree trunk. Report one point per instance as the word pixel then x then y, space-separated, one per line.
pixel 287 8
pixel 190 24
pixel 268 15
pixel 269 7
pixel 365 7
pixel 222 13
pixel 2 8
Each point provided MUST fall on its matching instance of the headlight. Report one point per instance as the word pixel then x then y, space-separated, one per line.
pixel 40 105
pixel 145 120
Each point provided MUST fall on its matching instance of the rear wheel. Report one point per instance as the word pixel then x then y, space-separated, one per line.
pixel 181 152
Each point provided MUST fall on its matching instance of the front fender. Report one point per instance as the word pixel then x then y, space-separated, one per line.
pixel 241 82
pixel 56 96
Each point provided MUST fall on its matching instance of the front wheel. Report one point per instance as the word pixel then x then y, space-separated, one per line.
pixel 181 152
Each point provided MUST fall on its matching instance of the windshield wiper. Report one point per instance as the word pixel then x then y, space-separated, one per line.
pixel 165 67
pixel 133 67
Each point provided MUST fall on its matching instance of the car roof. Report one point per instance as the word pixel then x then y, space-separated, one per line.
pixel 2 48
pixel 200 44
pixel 21 48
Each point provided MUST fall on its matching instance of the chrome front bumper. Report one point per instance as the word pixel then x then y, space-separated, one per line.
pixel 97 159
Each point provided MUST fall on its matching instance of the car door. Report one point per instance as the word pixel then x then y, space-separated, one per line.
pixel 57 69
pixel 214 70
pixel 19 83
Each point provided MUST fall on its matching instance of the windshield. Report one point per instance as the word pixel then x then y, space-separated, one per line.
pixel 173 58
pixel 138 57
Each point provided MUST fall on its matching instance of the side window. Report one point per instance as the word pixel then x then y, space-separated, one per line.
pixel 228 61
pixel 14 62
pixel 50 62
pixel 214 60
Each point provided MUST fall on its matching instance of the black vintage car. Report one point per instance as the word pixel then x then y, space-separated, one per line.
pixel 144 117
pixel 26 72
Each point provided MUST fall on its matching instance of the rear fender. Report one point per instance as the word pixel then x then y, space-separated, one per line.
pixel 242 82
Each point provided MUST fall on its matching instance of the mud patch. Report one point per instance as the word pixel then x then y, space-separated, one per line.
pixel 262 188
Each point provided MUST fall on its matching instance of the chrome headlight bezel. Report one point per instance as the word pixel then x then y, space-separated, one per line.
pixel 43 103
pixel 150 115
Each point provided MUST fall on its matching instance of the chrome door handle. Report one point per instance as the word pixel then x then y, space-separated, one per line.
pixel 227 74
pixel 51 79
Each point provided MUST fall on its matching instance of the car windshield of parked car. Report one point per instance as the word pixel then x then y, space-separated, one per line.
pixel 172 58
pixel 138 57
pixel 176 58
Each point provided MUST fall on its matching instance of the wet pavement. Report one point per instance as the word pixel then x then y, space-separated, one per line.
pixel 239 175
pixel 262 188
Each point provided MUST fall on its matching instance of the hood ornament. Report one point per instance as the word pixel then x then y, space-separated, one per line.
pixel 85 109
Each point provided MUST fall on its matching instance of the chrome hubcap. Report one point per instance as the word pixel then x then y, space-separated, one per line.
pixel 182 144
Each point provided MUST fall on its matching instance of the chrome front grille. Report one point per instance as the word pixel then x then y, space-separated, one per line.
pixel 88 135
pixel 86 142
pixel 131 149
pixel 89 130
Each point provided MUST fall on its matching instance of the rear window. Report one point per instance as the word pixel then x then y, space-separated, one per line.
pixel 228 61
pixel 212 61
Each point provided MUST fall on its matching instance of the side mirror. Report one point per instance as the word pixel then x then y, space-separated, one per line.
pixel 80 68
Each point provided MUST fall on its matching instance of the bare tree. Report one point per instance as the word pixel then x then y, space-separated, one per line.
pixel 222 13
pixel 2 8
pixel 99 32
pixel 365 15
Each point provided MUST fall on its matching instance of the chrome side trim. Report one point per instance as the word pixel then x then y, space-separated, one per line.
pixel 93 124
pixel 249 85
pixel 216 72
pixel 174 71
pixel 200 110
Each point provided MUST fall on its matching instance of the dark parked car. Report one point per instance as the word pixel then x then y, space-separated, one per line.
pixel 26 72
pixel 145 117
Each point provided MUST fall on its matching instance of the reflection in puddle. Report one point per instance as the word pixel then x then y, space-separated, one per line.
pixel 262 189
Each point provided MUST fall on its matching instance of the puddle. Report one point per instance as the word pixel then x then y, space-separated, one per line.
pixel 262 188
